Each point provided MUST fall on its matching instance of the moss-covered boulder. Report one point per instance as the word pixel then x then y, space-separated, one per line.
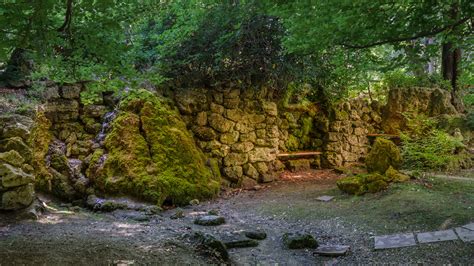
pixel 395 176
pixel 150 154
pixel 352 185
pixel 363 183
pixel 12 157
pixel 384 153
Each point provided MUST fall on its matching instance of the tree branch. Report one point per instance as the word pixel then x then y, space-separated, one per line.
pixel 67 17
pixel 401 39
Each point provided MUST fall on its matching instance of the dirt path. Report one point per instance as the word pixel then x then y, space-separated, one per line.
pixel 81 238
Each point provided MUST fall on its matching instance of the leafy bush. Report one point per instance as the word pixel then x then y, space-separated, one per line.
pixel 400 79
pixel 425 147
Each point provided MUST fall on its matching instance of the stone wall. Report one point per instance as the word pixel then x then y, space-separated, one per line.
pixel 428 101
pixel 346 142
pixel 240 128
pixel 245 130
pixel 16 172
pixel 75 129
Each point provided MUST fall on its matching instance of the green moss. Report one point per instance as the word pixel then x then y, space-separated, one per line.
pixel 352 185
pixel 395 176
pixel 292 144
pixel 306 125
pixel 39 140
pixel 360 184
pixel 151 155
pixel 376 186
pixel 384 153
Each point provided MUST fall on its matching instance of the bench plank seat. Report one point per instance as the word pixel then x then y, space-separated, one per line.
pixel 289 155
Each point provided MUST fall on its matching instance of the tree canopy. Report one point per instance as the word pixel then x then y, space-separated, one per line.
pixel 332 45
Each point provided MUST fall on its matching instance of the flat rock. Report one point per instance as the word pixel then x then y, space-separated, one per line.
pixel 214 245
pixel 238 241
pixel 256 234
pixel 469 226
pixel 210 220
pixel 466 235
pixel 299 241
pixel 325 198
pixel 332 250
pixel 437 236
pixel 395 241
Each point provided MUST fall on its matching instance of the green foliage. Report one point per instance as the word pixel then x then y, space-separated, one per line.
pixel 197 43
pixel 425 147
pixel 401 79
pixel 90 41
pixel 436 151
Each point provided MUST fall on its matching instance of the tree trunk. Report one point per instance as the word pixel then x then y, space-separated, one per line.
pixel 451 58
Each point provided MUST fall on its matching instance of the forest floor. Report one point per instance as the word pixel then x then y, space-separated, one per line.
pixel 75 236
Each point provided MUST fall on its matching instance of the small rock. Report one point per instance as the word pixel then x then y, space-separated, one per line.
pixel 239 241
pixel 213 212
pixel 178 214
pixel 257 234
pixel 336 250
pixel 194 202
pixel 210 220
pixel 325 198
pixel 213 244
pixel 299 241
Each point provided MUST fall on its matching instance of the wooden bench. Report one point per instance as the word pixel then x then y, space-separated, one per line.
pixel 299 154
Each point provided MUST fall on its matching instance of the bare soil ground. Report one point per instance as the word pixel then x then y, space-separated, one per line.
pixel 74 236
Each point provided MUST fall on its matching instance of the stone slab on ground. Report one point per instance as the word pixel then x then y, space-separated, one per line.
pixel 395 241
pixel 469 226
pixel 466 235
pixel 325 198
pixel 332 250
pixel 437 236
pixel 210 220
pixel 239 241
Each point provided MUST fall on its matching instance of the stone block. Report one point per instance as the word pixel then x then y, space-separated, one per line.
pixel 231 103
pixel 219 123
pixel 250 137
pixel 230 137
pixel 201 118
pixel 395 241
pixel 242 147
pixel 262 155
pixel 216 108
pixel 234 173
pixel 12 157
pixel 437 236
pixel 235 115
pixel 71 92
pixel 235 159
pixel 18 198
pixel 261 167
pixel 250 171
pixel 270 108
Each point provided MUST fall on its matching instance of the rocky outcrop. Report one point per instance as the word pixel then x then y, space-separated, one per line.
pixel 428 101
pixel 16 172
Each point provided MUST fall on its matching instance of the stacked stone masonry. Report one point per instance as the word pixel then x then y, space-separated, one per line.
pixel 75 132
pixel 246 129
pixel 243 129
pixel 16 172
pixel 239 128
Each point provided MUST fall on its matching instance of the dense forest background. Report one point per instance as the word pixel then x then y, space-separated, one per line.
pixel 338 48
